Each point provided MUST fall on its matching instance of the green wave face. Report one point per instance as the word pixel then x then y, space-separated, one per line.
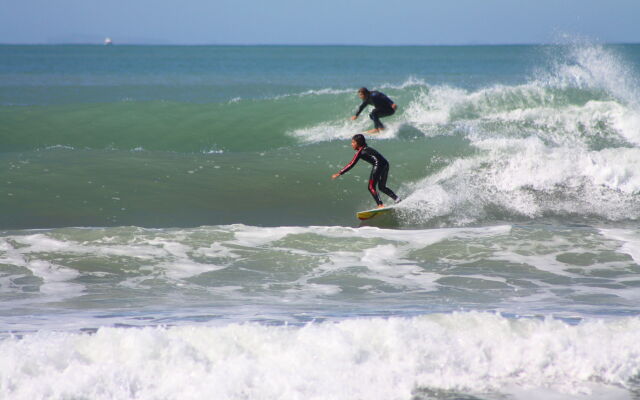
pixel 161 136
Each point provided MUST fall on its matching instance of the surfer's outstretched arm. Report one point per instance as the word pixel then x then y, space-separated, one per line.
pixel 353 162
pixel 362 106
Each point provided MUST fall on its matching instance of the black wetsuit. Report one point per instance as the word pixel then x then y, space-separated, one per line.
pixel 382 107
pixel 379 172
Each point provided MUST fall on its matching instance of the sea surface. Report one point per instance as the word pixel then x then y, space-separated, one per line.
pixel 169 228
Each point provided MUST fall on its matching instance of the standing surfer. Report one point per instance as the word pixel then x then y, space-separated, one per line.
pixel 379 171
pixel 383 107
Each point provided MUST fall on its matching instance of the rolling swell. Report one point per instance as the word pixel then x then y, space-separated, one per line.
pixel 241 125
pixel 563 143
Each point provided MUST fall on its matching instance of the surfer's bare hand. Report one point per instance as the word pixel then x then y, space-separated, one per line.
pixel 353 117
pixel 334 176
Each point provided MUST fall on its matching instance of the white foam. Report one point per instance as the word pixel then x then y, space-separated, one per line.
pixel 410 82
pixel 529 109
pixel 630 241
pixel 316 92
pixel 386 263
pixel 499 111
pixel 168 257
pixel 304 288
pixel 530 178
pixel 364 358
pixel 55 278
pixel 308 266
pixel 343 129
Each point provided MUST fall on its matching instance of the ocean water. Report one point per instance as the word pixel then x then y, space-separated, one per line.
pixel 169 228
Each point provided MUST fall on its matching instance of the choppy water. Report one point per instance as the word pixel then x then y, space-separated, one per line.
pixel 168 216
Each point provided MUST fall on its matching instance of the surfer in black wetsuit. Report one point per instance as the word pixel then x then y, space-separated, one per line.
pixel 383 107
pixel 379 171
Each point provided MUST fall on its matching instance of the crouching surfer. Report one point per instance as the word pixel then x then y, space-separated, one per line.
pixel 379 171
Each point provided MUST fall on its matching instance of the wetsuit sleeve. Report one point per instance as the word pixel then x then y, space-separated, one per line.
pixel 353 162
pixel 362 106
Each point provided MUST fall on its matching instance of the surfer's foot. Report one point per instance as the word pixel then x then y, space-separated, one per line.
pixel 374 130
pixel 397 200
pixel 380 206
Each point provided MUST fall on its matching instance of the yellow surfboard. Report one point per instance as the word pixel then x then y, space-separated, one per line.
pixel 368 214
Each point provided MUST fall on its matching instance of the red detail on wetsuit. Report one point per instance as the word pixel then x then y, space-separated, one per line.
pixel 372 187
pixel 352 162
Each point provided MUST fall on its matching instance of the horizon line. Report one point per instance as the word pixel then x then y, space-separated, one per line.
pixel 305 44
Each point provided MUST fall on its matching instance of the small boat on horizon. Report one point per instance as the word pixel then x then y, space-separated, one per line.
pixel 108 41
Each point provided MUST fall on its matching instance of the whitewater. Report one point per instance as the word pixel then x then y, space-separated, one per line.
pixel 169 228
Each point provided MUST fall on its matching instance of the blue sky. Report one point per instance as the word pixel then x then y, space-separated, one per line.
pixel 318 22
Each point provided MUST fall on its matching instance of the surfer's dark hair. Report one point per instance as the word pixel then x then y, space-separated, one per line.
pixel 364 91
pixel 359 138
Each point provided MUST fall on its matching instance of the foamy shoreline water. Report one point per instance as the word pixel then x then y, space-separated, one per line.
pixel 376 358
